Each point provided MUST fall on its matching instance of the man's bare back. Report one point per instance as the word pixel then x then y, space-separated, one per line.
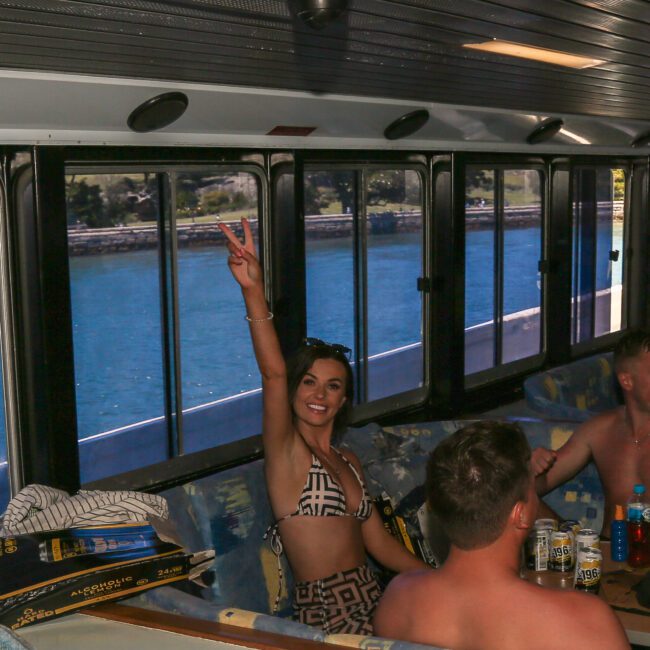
pixel 463 606
pixel 480 486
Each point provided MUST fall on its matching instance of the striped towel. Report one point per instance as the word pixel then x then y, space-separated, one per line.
pixel 39 508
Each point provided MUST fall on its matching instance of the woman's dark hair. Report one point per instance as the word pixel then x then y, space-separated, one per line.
pixel 303 360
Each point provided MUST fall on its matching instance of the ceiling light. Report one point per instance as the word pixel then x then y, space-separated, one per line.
pixel 574 136
pixel 535 53
pixel 545 130
pixel 406 125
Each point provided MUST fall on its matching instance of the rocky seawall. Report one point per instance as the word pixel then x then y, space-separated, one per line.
pixel 97 241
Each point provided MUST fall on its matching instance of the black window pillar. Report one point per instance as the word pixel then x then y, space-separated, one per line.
pixel 557 297
pixel 48 427
pixel 287 229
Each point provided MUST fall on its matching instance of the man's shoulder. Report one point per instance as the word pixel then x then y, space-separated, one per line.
pixel 585 616
pixel 406 598
pixel 602 422
pixel 409 582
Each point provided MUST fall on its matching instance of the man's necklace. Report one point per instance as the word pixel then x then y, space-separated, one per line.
pixel 637 441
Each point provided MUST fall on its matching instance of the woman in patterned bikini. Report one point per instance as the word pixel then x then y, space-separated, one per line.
pixel 322 508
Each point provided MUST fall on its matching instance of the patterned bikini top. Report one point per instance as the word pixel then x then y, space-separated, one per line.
pixel 321 496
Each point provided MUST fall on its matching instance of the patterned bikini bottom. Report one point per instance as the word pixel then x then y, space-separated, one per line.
pixel 343 603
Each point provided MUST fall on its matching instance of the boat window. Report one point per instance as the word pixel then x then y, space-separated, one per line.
pixel 219 373
pixel 363 245
pixel 162 354
pixel 598 252
pixel 503 249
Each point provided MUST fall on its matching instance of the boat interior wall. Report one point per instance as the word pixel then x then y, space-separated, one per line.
pixel 52 108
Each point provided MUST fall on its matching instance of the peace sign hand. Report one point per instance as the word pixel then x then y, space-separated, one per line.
pixel 242 260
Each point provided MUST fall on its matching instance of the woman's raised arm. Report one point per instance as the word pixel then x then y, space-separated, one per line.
pixel 277 426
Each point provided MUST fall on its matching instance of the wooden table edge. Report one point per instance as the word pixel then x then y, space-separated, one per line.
pixel 201 628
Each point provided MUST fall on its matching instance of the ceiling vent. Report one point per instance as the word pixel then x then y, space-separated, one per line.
pixel 301 131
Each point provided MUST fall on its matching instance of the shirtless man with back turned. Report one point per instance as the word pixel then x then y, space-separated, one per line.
pixel 480 485
pixel 618 441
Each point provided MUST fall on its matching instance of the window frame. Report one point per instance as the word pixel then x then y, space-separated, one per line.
pixel 592 345
pixel 414 397
pixel 519 366
pixel 167 256
pixel 447 396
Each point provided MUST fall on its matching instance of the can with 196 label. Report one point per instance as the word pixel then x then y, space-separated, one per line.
pixel 561 551
pixel 588 569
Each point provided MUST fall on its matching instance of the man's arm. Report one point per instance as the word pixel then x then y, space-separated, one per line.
pixel 391 615
pixel 594 623
pixel 570 459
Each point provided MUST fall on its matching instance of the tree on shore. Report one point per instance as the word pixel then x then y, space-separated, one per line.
pixel 84 204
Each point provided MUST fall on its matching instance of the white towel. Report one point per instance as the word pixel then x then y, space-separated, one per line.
pixel 39 508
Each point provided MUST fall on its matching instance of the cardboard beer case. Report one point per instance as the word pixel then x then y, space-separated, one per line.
pixel 396 526
pixel 49 574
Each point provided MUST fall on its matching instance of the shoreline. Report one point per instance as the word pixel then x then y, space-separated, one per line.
pixel 122 239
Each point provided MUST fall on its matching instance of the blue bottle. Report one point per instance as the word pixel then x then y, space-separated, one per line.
pixel 619 536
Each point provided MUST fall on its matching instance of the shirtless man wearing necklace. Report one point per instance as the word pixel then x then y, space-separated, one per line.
pixel 618 441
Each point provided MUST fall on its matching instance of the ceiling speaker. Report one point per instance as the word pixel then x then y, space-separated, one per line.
pixel 545 130
pixel 158 112
pixel 406 125
pixel 318 13
pixel 642 140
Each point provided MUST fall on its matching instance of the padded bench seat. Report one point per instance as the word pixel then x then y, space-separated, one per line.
pixel 576 391
pixel 230 512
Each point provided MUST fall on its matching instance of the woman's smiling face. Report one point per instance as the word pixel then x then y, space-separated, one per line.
pixel 320 393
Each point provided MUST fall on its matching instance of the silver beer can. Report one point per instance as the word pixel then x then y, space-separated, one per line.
pixel 537 550
pixel 561 551
pixel 588 569
pixel 587 537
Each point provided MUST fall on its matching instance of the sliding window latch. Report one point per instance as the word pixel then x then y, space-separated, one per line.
pixel 613 256
pixel 424 285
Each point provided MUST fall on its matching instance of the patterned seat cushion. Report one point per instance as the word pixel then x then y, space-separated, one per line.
pixel 575 391
pixel 230 513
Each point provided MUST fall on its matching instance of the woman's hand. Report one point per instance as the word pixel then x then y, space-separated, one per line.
pixel 242 260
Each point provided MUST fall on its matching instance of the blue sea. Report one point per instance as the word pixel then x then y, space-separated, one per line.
pixel 118 339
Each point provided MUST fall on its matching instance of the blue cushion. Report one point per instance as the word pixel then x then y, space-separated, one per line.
pixel 394 460
pixel 575 391
pixel 11 641
pixel 230 513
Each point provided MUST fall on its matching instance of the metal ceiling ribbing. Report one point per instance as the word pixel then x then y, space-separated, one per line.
pixel 406 49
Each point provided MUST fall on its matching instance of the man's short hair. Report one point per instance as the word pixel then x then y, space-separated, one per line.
pixel 475 477
pixel 630 346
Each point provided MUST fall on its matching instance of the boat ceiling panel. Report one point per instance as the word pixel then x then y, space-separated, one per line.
pixel 401 53
pixel 396 49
